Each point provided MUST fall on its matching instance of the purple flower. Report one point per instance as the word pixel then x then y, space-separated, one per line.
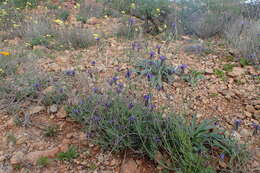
pixel 151 62
pixel 147 97
pixel 108 105
pixel 37 86
pixel 131 21
pixel 183 66
pixel 157 139
pixel 162 58
pixel 158 47
pixel 95 90
pixel 128 74
pixel 149 76
pixel 256 128
pixel 97 39
pixel 76 111
pixel 113 80
pixel 151 106
pixel 152 54
pixel 111 121
pixel 70 72
pixel 258 35
pixel 120 85
pixel 159 88
pixel 237 124
pixel 96 118
pixel 130 106
pixel 222 156
pixel 93 63
pixel 61 90
pixel 132 118
pixel 81 102
pixel 173 25
pixel 119 90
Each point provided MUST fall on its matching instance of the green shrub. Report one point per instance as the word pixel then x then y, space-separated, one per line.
pixel 63 14
pixel 118 124
pixel 70 154
pixel 43 161
pixel 75 38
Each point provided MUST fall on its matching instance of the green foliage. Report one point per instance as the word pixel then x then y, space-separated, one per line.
pixel 50 131
pixel 228 67
pixel 219 73
pixel 70 154
pixel 193 77
pixel 63 14
pixel 157 71
pixel 39 41
pixel 11 138
pixel 43 161
pixel 244 62
pixel 184 144
pixel 54 97
pixel 24 3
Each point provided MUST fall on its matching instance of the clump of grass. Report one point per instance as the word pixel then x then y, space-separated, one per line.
pixel 193 77
pixel 68 155
pixel 11 138
pixel 87 10
pixel 63 14
pixel 128 30
pixel 119 124
pixel 75 38
pixel 55 97
pixel 43 162
pixel 157 71
pixel 50 131
pixel 228 67
pixel 219 73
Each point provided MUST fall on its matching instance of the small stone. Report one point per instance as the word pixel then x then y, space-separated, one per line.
pixel 222 164
pixel 53 108
pixel 250 108
pixel 130 166
pixel 35 109
pixel 17 158
pixel 62 113
pixel 69 135
pixel 248 114
pixel 49 89
pixel 158 156
pixel 245 133
pixel 209 71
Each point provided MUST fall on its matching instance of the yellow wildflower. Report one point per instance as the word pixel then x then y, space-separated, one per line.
pixel 106 16
pixel 96 36
pixel 158 10
pixel 165 26
pixel 4 53
pixel 15 25
pixel 1 70
pixel 58 21
pixel 123 12
pixel 133 5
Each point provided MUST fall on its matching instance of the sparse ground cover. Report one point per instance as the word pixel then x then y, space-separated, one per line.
pixel 129 87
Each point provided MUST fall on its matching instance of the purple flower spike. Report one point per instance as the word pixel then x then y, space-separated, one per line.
pixel 149 76
pixel 130 106
pixel 128 74
pixel 158 47
pixel 96 118
pixel 256 128
pixel 183 66
pixel 132 118
pixel 76 111
pixel 222 156
pixel 162 58
pixel 113 80
pixel 152 54
pixel 95 90
pixel 237 124
pixel 37 86
pixel 93 63
pixel 147 97
pixel 157 139
pixel 131 21
pixel 70 72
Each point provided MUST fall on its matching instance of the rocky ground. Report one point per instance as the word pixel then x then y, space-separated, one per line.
pixel 232 97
